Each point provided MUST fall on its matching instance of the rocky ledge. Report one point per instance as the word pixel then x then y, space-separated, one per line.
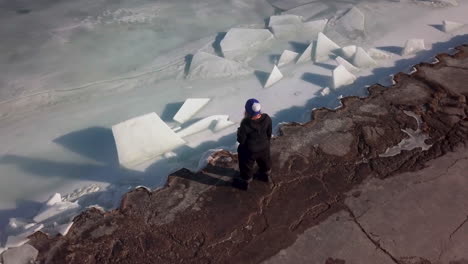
pixel 200 218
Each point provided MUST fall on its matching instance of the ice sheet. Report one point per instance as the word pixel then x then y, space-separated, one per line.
pixel 190 107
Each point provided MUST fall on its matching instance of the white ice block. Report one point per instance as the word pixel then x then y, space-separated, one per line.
pixel 351 24
pixel 412 46
pixel 143 138
pixel 346 64
pixel 311 29
pixel 307 54
pixel 274 77
pixel 449 26
pixel 222 123
pixel 190 107
pixel 325 47
pixel 240 42
pixel 208 66
pixel 325 91
pixel 55 198
pixel 342 77
pixel 379 54
pixel 348 52
pixel 362 59
pixel 287 57
pixel 24 254
pixel 285 31
pixel 63 229
pixel 210 122
pixel 15 241
pixel 285 20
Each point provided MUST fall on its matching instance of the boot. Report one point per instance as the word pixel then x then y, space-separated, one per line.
pixel 240 184
pixel 264 177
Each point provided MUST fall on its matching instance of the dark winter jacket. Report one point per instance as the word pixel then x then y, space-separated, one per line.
pixel 254 135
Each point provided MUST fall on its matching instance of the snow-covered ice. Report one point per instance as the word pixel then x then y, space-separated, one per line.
pixel 275 76
pixel 449 26
pixel 143 138
pixel 325 47
pixel 287 57
pixel 350 67
pixel 208 66
pixel 24 254
pixel 362 59
pixel 412 46
pixel 307 54
pixel 243 43
pixel 190 107
pixel 342 77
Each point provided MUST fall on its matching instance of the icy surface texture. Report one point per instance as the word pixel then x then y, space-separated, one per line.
pixel 311 29
pixel 190 107
pixel 309 11
pixel 378 54
pixel 243 43
pixel 342 77
pixel 412 46
pixel 56 208
pixel 287 57
pixel 208 66
pixel 25 254
pixel 143 138
pixel 325 47
pixel 275 76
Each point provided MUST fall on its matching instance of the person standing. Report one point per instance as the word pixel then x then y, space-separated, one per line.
pixel 253 135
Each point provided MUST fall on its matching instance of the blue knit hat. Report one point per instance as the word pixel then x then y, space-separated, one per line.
pixel 253 107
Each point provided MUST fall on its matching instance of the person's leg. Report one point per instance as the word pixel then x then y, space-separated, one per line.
pixel 263 160
pixel 246 165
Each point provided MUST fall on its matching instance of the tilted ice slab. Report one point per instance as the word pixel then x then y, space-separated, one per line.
pixel 417 139
pixel 307 54
pixel 346 64
pixel 208 66
pixel 348 52
pixel 325 47
pixel 21 234
pixel 143 138
pixel 412 46
pixel 449 26
pixel 363 60
pixel 285 31
pixel 289 4
pixel 55 207
pixel 378 54
pixel 351 24
pixel 275 76
pixel 190 107
pixel 342 77
pixel 216 123
pixel 63 229
pixel 240 43
pixel 285 20
pixel 308 11
pixel 311 29
pixel 287 57
pixel 24 254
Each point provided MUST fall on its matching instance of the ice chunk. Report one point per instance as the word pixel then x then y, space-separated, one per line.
pixel 412 46
pixel 61 209
pixel 190 107
pixel 222 123
pixel 362 59
pixel 25 254
pixel 348 51
pixel 289 4
pixel 312 28
pixel 15 241
pixel 307 54
pixel 20 238
pixel 285 31
pixel 63 229
pixel 449 26
pixel 143 138
pixel 287 57
pixel 346 64
pixel 325 91
pixel 209 66
pixel 274 77
pixel 240 43
pixel 206 123
pixel 325 47
pixel 342 77
pixel 285 20
pixel 351 24
pixel 309 11
pixel 56 198
pixel 379 54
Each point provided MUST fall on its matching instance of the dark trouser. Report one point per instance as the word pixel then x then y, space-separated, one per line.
pixel 247 161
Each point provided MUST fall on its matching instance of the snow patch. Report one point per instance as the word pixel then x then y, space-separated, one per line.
pixel 449 26
pixel 143 138
pixel 241 43
pixel 287 57
pixel 275 76
pixel 24 254
pixel 412 46
pixel 342 77
pixel 346 64
pixel 307 54
pixel 215 123
pixel 208 66
pixel 379 54
pixel 190 107
pixel 362 59
pixel 325 47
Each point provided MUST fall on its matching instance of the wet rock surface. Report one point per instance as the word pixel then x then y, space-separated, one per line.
pixel 200 218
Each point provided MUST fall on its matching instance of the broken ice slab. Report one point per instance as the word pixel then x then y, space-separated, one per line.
pixel 311 29
pixel 412 46
pixel 275 76
pixel 285 32
pixel 285 20
pixel 22 237
pixel 325 47
pixel 143 138
pixel 24 254
pixel 215 123
pixel 190 107
pixel 350 67
pixel 351 24
pixel 449 26
pixel 342 77
pixel 243 43
pixel 57 210
pixel 287 57
pixel 348 52
pixel 307 54
pixel 63 229
pixel 362 60
pixel 289 4
pixel 309 11
pixel 208 66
